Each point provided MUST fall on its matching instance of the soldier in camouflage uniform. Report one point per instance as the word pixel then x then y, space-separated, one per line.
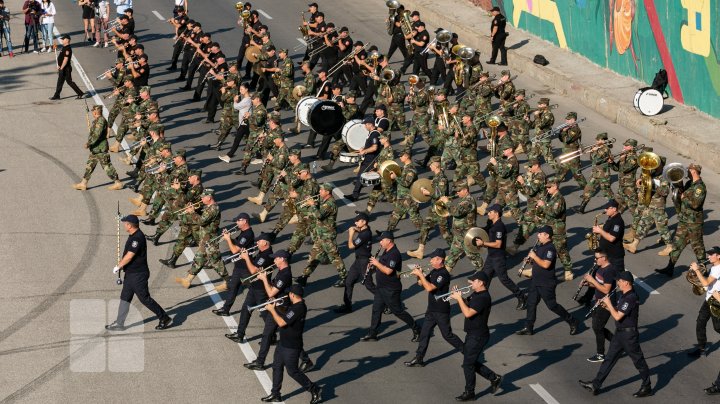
pixel 97 144
pixel 286 179
pixel 464 214
pixel 468 166
pixel 228 117
pixel 323 214
pixel 505 90
pixel 439 188
pixel 652 214
pixel 207 253
pixel 386 187
pixel 163 191
pixel 186 237
pixel 483 101
pixel 309 89
pixel 690 220
pixel 502 142
pixel 541 143
pixel 404 204
pixel 120 84
pixel 508 170
pixel 554 212
pixel 392 95
pixel 627 167
pixel 599 156
pixel 349 111
pixel 129 97
pixel 308 188
pixel 532 185
pixel 451 146
pixel 284 81
pixel 175 199
pixel 275 162
pixel 153 174
pixel 571 137
pixel 518 123
pixel 418 100
pixel 257 118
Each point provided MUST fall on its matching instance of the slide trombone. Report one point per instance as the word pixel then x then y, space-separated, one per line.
pixel 252 278
pixel 624 152
pixel 263 306
pixel 446 296
pixel 443 36
pixel 236 257
pixel 564 158
pixel 344 60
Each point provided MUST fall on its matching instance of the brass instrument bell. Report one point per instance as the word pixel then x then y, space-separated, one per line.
pixel 648 161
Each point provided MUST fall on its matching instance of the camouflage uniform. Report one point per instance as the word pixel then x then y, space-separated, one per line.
pixel 175 199
pixel 627 195
pixel 118 82
pixel 404 204
pixel 282 188
pixel 228 117
pixel 600 173
pixel 506 91
pixel 571 138
pixel 128 114
pixel 503 142
pixel 519 126
pixel 323 219
pixel 542 124
pixel 273 168
pixel 256 121
pixel 307 189
pixel 508 170
pixel 468 167
pixel 98 146
pixel 386 187
pixel 284 82
pixel 483 104
pixel 420 120
pixel 554 212
pixel 463 212
pixel 187 235
pixel 654 213
pixel 207 254
pixel 690 221
pixel 534 190
pixel 440 188
pixel 165 190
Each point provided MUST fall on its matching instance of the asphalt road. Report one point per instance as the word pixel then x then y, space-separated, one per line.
pixel 193 361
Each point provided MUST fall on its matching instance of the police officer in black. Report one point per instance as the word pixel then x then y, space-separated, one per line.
pixel 370 151
pixel 419 60
pixel 397 40
pixel 437 282
pixel 389 287
pixel 256 290
pixel 134 264
pixel 244 241
pixel 496 262
pixel 476 310
pixel 290 348
pixel 497 37
pixel 64 68
pixel 601 283
pixel 360 240
pixel 611 235
pixel 626 339
pixel 180 22
pixel 543 283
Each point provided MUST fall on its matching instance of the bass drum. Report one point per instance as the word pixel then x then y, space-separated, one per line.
pixel 302 109
pixel 648 101
pixel 354 134
pixel 323 116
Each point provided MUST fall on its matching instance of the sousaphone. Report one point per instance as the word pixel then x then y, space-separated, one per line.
pixel 416 190
pixel 387 167
pixel 469 240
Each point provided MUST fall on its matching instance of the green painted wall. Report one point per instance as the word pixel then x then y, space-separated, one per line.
pixel 636 38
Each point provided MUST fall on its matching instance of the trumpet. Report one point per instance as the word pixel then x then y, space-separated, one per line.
pixel 215 239
pixel 181 211
pixel 446 296
pixel 304 202
pixel 409 272
pixel 263 306
pixel 236 257
pixel 564 158
pixel 112 70
pixel 600 303
pixel 252 278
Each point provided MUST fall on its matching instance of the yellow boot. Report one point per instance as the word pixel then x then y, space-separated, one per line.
pixel 417 253
pixel 257 200
pixel 136 201
pixel 569 276
pixel 140 210
pixel 507 213
pixel 632 247
pixel 116 186
pixel 294 219
pixel 115 148
pixel 629 236
pixel 185 282
pixel 221 287
pixel 263 215
pixel 130 137
pixel 481 209
pixel 665 252
pixel 369 209
pixel 81 186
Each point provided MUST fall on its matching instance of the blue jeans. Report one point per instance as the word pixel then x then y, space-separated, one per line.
pixel 6 34
pixel 31 32
pixel 47 33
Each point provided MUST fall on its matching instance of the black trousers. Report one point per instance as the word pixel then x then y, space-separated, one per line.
pixel 136 284
pixel 242 132
pixel 419 62
pixel 271 328
pixel 359 81
pixel 241 51
pixel 364 166
pixel 185 64
pixel 391 299
pixel 397 43
pixel 269 87
pixel 355 274
pixel 547 294
pixel 235 287
pixel 287 359
pixel 325 144
pixel 177 48
pixel 701 323
pixel 213 99
pixel 369 97
pixel 65 76
pixel 252 298
pixel 600 318
pixel 202 72
pixel 625 340
pixel 473 361
pixel 499 45
pixel 438 71
pixel 618 263
pixel 496 266
pixel 193 68
pixel 442 321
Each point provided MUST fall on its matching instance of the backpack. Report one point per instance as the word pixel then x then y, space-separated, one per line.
pixel 540 59
pixel 660 82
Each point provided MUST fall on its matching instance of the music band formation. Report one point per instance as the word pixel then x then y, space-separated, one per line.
pixel 471 147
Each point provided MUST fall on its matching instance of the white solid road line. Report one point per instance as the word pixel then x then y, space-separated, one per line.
pixel 264 14
pixel 161 18
pixel 302 41
pixel 540 390
pixel 647 287
pixel 340 196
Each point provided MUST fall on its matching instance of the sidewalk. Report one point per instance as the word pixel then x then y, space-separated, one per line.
pixel 681 128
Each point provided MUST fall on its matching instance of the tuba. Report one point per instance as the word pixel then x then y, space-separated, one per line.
pixel 493 122
pixel 464 54
pixel 407 28
pixel 697 287
pixel 675 173
pixel 593 240
pixel 648 161
pixel 392 6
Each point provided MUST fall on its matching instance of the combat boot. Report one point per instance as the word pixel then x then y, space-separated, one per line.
pixel 81 186
pixel 136 201
pixel 223 286
pixel 666 251
pixel 140 211
pixel 116 186
pixel 114 148
pixel 507 213
pixel 263 215
pixel 417 253
pixel 329 166
pixel 632 247
pixel 369 209
pixel 185 282
pixel 155 238
pixel 481 209
pixel 629 236
pixel 569 275
pixel 294 220
pixel 257 200
pixel 170 262
pixel 668 270
pixel 581 208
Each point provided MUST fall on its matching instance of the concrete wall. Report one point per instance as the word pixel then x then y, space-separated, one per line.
pixel 635 38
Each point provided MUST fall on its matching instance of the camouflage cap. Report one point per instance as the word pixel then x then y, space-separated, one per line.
pixel 630 142
pixel 120 61
pixel 545 101
pixel 275 117
pixel 179 153
pixel 283 50
pixel 440 91
pixel 129 79
pixel 459 185
pixel 156 127
pixel 97 108
pixel 435 159
pixel 533 160
pixel 208 192
pixel 571 115
pixel 153 110
pixel 164 146
pixel 145 89
pixel 551 181
pixel 328 186
pixel 351 94
pixel 520 92
pixel 254 95
pixel 295 152
pixel 485 74
pixel 695 166
pixel 505 73
pixel 197 172
pixel 385 135
pixel 601 136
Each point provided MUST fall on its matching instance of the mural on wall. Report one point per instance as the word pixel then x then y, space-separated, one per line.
pixel 639 38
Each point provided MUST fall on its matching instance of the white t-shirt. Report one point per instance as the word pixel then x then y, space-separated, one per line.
pixel 49 16
pixel 103 6
pixel 179 3
pixel 715 286
pixel 122 5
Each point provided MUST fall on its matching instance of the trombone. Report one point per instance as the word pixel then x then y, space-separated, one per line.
pixel 409 272
pixel 252 278
pixel 562 159
pixel 344 60
pixel 136 144
pixel 263 306
pixel 624 152
pixel 181 211
pixel 215 239
pixel 446 296
pixel 112 70
pixel 236 257
pixel 304 202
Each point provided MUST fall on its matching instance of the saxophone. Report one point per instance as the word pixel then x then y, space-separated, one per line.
pixel 593 239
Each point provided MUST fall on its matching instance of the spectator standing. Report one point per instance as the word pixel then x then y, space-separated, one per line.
pixel 47 24
pixel 5 28
pixel 32 10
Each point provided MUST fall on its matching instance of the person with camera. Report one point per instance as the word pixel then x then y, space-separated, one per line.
pixel 5 28
pixel 32 10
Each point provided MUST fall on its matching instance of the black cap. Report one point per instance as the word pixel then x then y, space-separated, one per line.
pixel 313 5
pixel 439 252
pixel 369 120
pixel 480 276
pixel 281 254
pixel 344 29
pixel 414 13
pixel 497 208
pixel 381 107
pixel 502 128
pixel 546 229
pixel 297 290
pixel 65 36
pixel 626 276
pixel 362 216
pixel 388 235
pixel 612 203
pixel 131 219
pixel 242 215
pixel 714 250
pixel 320 14
pixel 496 8
pixel 263 236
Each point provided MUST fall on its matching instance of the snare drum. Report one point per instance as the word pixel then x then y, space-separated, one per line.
pixel 370 179
pixel 349 157
pixel 354 134
pixel 648 101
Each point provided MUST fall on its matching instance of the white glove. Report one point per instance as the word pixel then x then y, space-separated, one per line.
pixel 116 269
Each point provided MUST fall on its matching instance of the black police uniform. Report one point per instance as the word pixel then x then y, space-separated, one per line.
pixel 616 253
pixel 496 262
pixel 311 20
pixel 368 161
pixel 345 72
pixel 244 240
pixel 437 313
pixel 477 337
pixel 179 44
pixel 213 92
pixel 136 278
pixel 359 81
pixel 418 60
pixel 195 63
pixel 387 292
pixel 626 339
pixel 320 28
pixel 282 282
pixel 397 40
pixel 604 276
pixel 188 53
pixel 142 79
pixel 65 75
pixel 363 247
pixel 542 286
pixel 290 348
pixel 498 41
pixel 256 290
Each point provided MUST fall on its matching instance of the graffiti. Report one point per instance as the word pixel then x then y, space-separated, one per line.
pixel 621 24
pixel 544 10
pixel 695 34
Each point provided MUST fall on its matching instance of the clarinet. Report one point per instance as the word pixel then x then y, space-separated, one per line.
pixel 277 178
pixel 599 303
pixel 591 272
pixel 527 259
pixel 370 267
